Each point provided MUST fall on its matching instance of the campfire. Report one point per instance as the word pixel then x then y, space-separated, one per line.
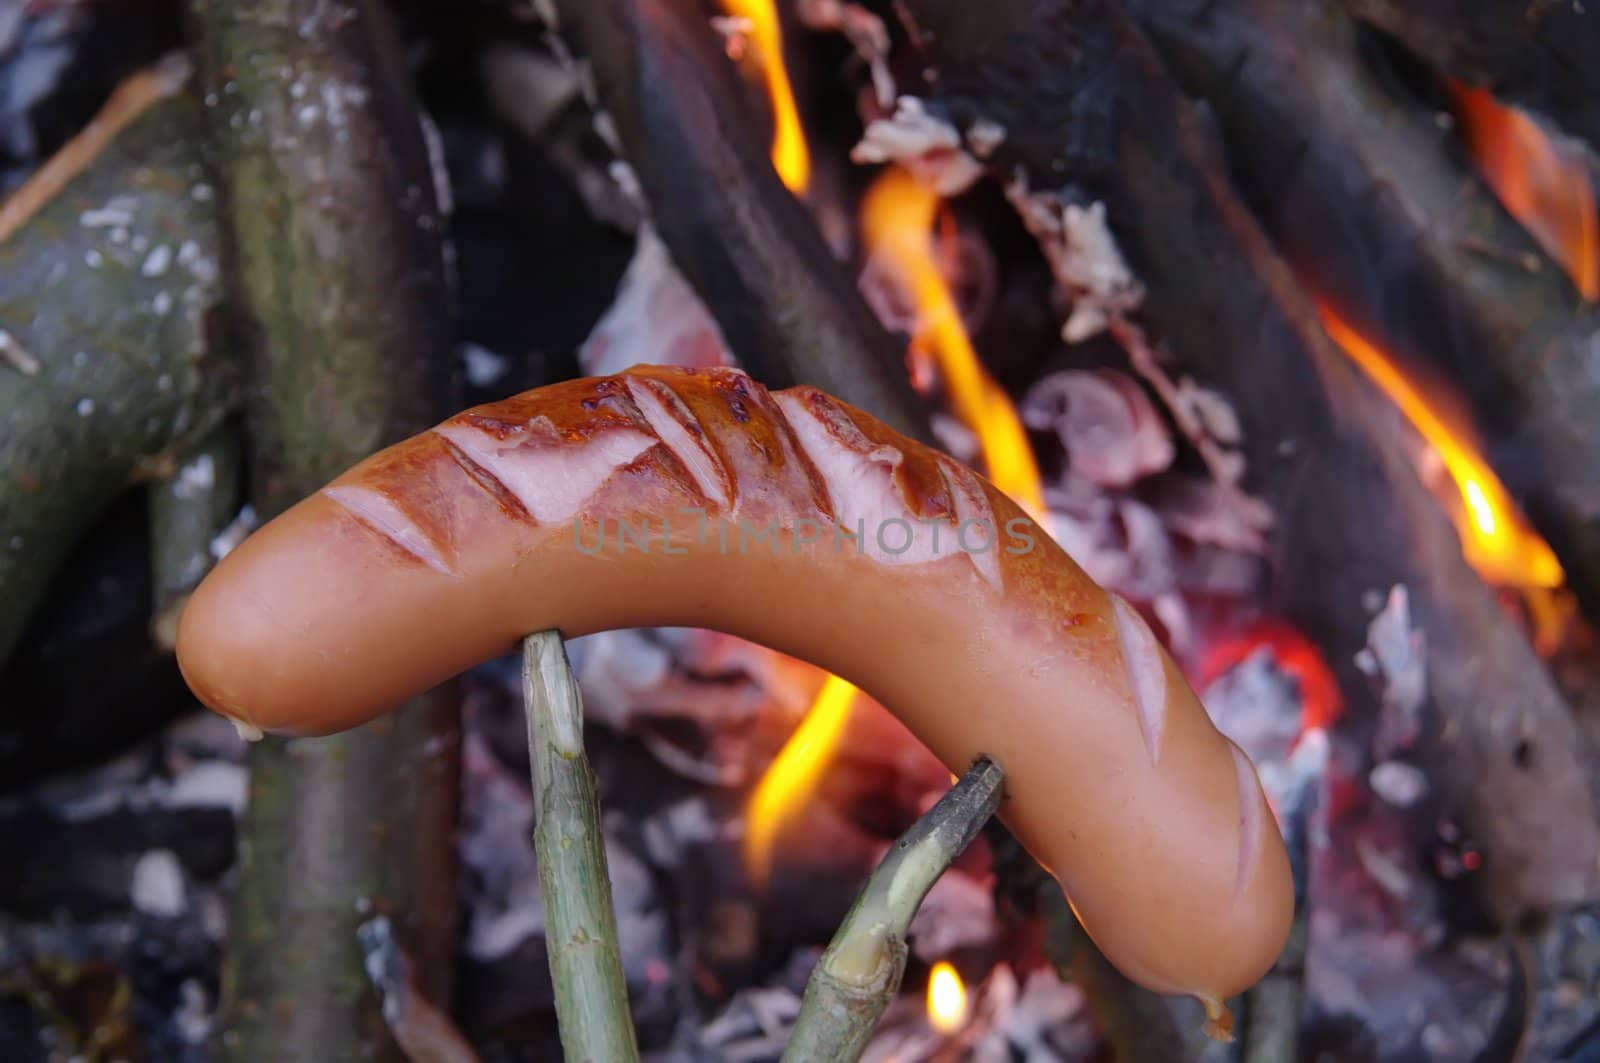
pixel 1278 317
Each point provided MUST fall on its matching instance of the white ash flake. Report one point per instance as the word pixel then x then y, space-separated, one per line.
pixel 1192 407
pixel 483 367
pixel 202 267
pixel 1214 412
pixel 1084 257
pixel 161 304
pixel 156 263
pixel 93 259
pixel 157 888
pixel 957 913
pixel 928 146
pixel 1111 431
pixel 118 212
pixel 984 137
pixel 866 33
pixel 85 407
pixel 195 477
pixel 655 311
pixel 735 32
pixel 234 534
pixel 1401 785
pixel 193 1018
pixel 18 357
pixel 1088 265
pixel 1395 658
pixel 210 784
pixel 497 822
pixel 1041 1019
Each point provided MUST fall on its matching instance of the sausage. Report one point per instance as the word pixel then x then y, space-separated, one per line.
pixel 695 497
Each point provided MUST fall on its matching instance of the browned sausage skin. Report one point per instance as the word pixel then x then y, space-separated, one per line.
pixel 680 497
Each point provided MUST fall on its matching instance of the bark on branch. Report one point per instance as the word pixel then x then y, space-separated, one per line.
pixel 859 974
pixel 342 305
pixel 580 916
pixel 108 368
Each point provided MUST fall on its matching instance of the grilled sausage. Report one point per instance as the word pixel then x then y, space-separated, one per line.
pixel 683 497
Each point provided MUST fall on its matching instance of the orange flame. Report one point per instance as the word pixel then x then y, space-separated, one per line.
pixel 790 155
pixel 1495 536
pixel 1544 187
pixel 947 999
pixel 897 222
pixel 793 773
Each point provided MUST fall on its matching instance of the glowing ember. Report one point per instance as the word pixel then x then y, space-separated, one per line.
pixel 794 773
pixel 790 155
pixel 1544 187
pixel 897 223
pixel 947 999
pixel 1495 537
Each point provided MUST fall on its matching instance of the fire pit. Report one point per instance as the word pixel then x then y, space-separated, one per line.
pixel 1277 316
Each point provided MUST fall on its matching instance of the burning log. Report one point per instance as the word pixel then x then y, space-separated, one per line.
pixel 1323 448
pixel 1372 204
pixel 342 306
pixel 1537 53
pixel 107 371
pixel 790 313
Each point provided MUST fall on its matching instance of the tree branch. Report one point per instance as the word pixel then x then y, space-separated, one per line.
pixel 580 919
pixel 858 976
pixel 342 303
pixel 108 370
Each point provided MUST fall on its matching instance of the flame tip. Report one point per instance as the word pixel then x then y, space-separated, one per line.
pixel 947 998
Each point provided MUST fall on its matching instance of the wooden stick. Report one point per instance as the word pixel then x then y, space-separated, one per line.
pixel 859 974
pixel 580 920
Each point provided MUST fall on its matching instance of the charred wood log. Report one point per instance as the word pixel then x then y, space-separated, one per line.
pixel 1088 109
pixel 108 276
pixel 1373 204
pixel 342 306
pixel 789 311
pixel 1537 53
